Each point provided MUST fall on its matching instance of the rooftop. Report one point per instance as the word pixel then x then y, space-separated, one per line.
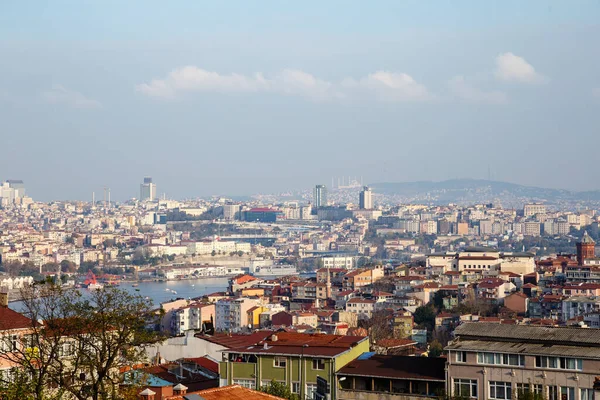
pixel 291 343
pixel 527 333
pixel 398 367
pixel 233 392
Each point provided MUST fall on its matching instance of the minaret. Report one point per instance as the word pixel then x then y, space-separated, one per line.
pixel 328 285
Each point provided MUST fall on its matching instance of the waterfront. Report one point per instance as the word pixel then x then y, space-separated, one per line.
pixel 157 292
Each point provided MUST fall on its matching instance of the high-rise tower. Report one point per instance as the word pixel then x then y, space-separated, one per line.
pixel 148 190
pixel 320 196
pixel 365 200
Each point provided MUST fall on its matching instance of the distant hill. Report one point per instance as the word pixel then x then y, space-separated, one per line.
pixel 469 190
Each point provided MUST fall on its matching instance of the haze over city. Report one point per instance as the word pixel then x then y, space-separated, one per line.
pixel 239 98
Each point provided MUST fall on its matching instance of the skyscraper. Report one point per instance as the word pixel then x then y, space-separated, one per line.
pixel 365 200
pixel 320 196
pixel 147 190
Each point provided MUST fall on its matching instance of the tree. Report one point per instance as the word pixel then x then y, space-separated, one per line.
pixel 77 344
pixel 425 316
pixel 379 325
pixel 275 388
pixel 68 266
pixel 435 349
pixel 213 253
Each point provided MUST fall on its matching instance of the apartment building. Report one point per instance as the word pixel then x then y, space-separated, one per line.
pixel 494 361
pixel 231 315
pixel 294 359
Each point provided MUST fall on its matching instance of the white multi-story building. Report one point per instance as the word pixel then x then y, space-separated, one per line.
pixel 530 210
pixel 191 317
pixel 338 262
pixel 231 211
pixel 231 314
pixel 218 246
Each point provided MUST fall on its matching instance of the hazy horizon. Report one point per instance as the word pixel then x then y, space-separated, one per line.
pixel 241 98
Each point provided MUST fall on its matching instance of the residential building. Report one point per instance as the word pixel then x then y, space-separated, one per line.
pixel 293 359
pixel 231 315
pixel 390 377
pixel 494 361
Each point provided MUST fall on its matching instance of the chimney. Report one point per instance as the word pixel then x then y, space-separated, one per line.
pixel 4 297
pixel 179 389
pixel 147 394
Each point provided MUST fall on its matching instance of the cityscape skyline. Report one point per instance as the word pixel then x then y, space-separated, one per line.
pixel 437 92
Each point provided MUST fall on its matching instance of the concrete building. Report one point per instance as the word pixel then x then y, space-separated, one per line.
pixel 494 361
pixel 148 190
pixel 365 200
pixel 231 315
pixel 231 211
pixel 294 359
pixel 529 210
pixel 320 196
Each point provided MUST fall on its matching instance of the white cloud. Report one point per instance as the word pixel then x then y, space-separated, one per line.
pixel 386 85
pixel 465 91
pixel 192 78
pixel 510 67
pixel 391 86
pixel 61 95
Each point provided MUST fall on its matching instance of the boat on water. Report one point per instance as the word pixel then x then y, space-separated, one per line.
pixel 95 286
pixel 135 285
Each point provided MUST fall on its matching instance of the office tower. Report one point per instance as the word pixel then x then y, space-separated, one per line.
pixel 147 190
pixel 18 186
pixel 320 196
pixel 365 200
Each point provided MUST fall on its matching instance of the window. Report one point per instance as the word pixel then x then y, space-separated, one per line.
pixel 280 362
pixel 66 349
pixel 296 387
pixel 465 387
pixel 586 394
pixel 515 360
pixel 553 393
pixel 523 388
pixel 567 393
pixel 559 363
pixel 461 356
pixel 318 363
pixel 311 389
pixel 500 390
pixel 247 383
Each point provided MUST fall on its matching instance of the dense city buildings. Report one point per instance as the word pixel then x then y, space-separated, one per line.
pixel 367 286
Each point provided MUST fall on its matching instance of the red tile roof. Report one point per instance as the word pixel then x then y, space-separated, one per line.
pixel 10 320
pixel 233 392
pixel 205 362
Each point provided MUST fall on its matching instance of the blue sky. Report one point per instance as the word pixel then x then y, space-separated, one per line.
pixel 241 97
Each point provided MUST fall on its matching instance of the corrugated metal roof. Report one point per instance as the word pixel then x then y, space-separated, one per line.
pixel 525 348
pixel 529 333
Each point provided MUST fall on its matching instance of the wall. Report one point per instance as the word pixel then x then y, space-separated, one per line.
pixel 187 346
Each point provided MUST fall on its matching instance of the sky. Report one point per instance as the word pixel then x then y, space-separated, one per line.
pixel 241 97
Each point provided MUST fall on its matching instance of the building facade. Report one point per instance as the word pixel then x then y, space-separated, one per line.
pixel 495 361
